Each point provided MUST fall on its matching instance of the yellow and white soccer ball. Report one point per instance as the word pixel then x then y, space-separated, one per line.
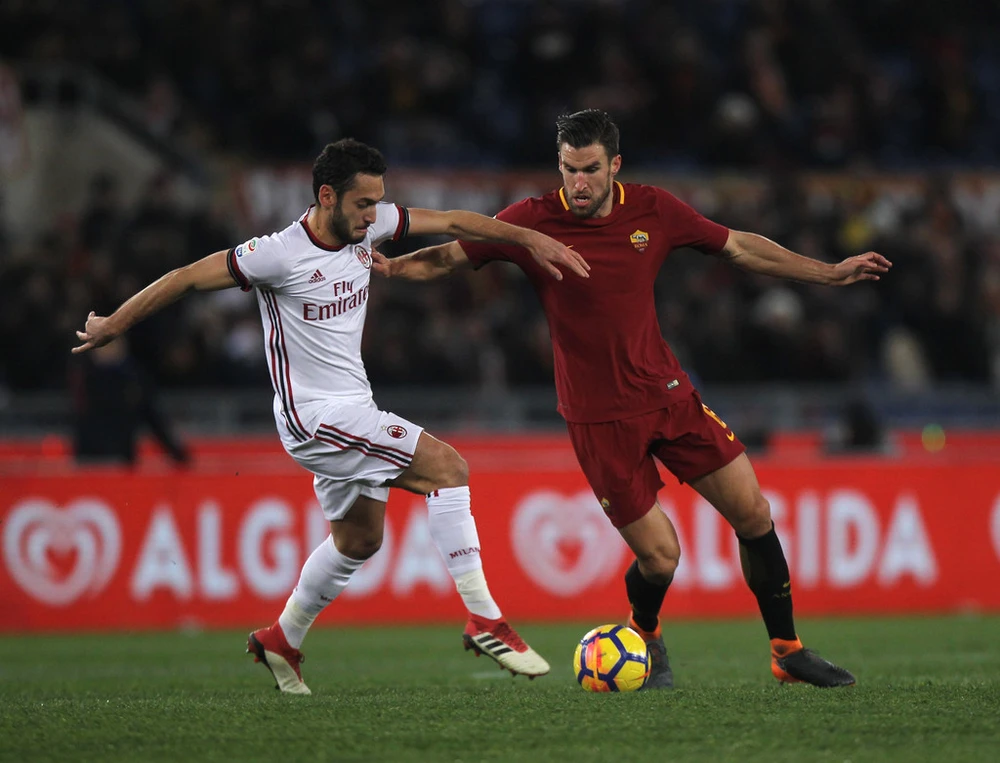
pixel 611 658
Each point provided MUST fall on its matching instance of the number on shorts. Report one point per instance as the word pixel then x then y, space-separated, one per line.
pixel 715 416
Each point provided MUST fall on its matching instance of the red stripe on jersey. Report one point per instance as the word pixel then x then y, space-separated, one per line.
pixel 403 226
pixel 288 365
pixel 276 360
pixel 276 376
pixel 271 345
pixel 234 270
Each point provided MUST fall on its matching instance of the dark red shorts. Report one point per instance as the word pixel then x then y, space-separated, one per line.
pixel 617 456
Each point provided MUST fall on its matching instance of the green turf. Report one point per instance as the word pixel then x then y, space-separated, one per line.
pixel 929 690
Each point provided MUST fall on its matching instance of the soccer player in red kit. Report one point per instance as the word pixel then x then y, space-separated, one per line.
pixel 624 396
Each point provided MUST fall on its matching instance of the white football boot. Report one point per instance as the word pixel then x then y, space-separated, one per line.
pixel 496 639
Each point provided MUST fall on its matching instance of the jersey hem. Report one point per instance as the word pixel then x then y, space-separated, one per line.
pixel 669 400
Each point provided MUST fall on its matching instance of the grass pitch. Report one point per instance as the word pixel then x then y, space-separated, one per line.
pixel 928 690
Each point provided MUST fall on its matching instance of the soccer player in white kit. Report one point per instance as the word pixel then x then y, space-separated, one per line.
pixel 312 282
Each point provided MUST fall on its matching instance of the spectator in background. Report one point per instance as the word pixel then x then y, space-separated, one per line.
pixel 817 84
pixel 112 402
pixel 103 219
pixel 772 87
pixel 858 430
pixel 3 233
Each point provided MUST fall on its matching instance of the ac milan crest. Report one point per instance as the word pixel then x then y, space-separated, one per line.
pixel 363 257
pixel 395 431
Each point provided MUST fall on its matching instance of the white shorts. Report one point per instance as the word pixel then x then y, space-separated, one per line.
pixel 355 449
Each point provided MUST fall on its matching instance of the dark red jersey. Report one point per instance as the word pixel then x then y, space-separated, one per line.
pixel 611 360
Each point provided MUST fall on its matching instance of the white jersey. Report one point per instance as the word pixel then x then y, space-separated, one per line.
pixel 313 300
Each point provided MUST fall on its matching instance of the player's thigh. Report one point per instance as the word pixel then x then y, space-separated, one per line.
pixel 615 459
pixel 653 540
pixel 692 441
pixel 435 465
pixel 735 493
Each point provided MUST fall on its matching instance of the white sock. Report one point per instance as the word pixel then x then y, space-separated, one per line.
pixel 454 532
pixel 324 575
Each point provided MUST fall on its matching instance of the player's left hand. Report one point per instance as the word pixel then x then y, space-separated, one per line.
pixel 548 253
pixel 862 267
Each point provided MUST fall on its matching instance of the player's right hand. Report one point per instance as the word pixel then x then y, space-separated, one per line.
pixel 548 253
pixel 95 333
pixel 380 264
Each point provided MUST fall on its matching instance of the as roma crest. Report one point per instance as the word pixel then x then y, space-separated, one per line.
pixel 363 257
pixel 640 240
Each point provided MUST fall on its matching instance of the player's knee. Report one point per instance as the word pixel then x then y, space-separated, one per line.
pixel 659 568
pixel 755 520
pixel 453 470
pixel 357 545
pixel 458 470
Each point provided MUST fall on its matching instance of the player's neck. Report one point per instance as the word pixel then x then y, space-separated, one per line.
pixel 606 207
pixel 319 225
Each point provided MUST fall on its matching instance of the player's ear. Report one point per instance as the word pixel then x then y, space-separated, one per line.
pixel 327 197
pixel 616 164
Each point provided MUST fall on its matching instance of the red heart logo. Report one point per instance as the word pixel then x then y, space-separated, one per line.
pixel 56 555
pixel 565 543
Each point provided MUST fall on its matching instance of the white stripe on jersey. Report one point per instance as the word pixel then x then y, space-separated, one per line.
pixel 313 301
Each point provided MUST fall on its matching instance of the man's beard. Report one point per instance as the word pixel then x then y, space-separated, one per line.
pixel 591 209
pixel 340 228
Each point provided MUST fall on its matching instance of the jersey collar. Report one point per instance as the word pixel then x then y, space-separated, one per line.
pixel 312 236
pixel 618 186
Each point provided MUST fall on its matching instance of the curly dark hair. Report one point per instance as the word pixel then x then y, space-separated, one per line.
pixel 340 162
pixel 584 128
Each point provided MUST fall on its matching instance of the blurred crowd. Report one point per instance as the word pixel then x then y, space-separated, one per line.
pixel 935 317
pixel 694 83
pixel 774 87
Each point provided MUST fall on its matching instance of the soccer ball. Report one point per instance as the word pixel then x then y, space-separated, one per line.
pixel 611 658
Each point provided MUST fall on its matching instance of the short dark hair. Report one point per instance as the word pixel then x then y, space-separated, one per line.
pixel 587 127
pixel 340 162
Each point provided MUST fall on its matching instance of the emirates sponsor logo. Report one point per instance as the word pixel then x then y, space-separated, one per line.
pixel 57 555
pixel 565 544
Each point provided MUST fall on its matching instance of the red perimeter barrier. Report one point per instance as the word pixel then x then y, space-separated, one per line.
pixel 222 544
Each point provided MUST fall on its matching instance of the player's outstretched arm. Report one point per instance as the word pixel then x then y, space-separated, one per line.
pixel 472 226
pixel 423 264
pixel 207 274
pixel 757 254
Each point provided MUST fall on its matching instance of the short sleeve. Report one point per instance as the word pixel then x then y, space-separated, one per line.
pixel 391 222
pixel 481 252
pixel 689 228
pixel 258 262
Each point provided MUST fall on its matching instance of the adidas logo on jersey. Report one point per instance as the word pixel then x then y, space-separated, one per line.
pixel 317 277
